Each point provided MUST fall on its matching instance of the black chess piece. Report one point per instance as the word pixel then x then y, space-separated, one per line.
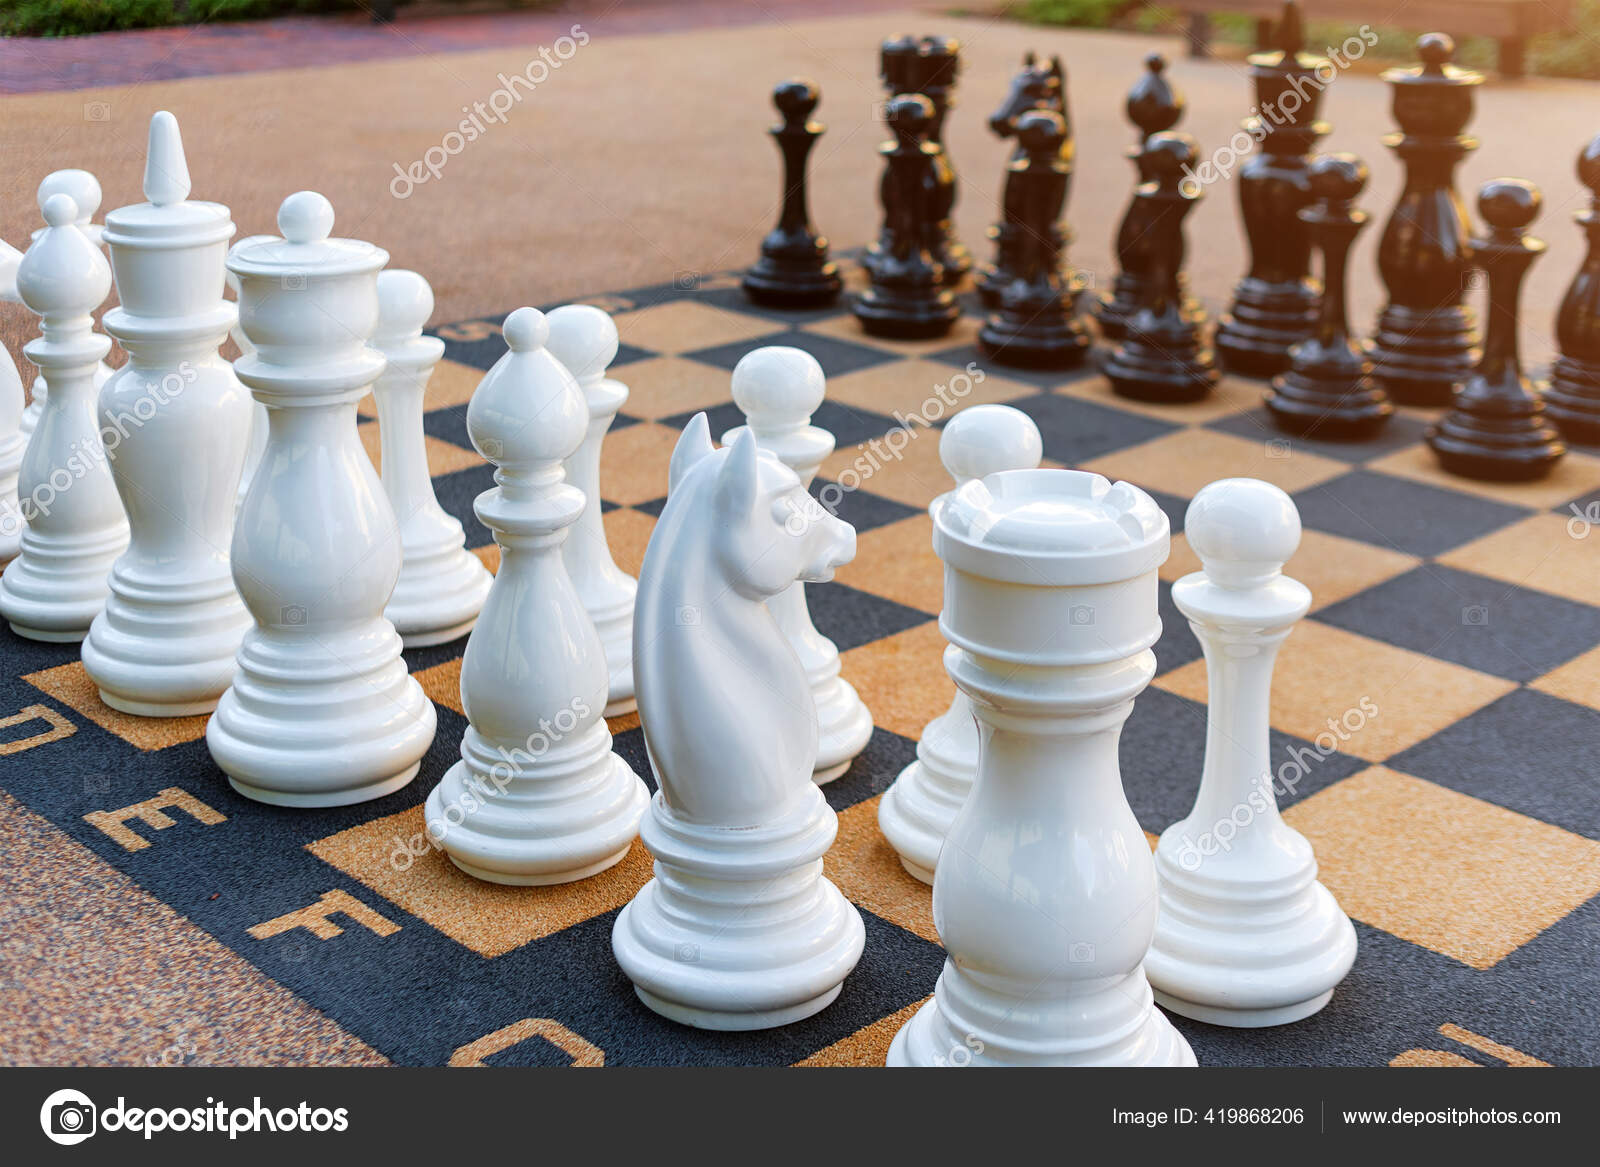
pixel 1164 357
pixel 1426 340
pixel 932 72
pixel 1154 106
pixel 794 270
pixel 1572 399
pixel 1037 325
pixel 1275 304
pixel 1035 86
pixel 1328 391
pixel 907 298
pixel 1497 430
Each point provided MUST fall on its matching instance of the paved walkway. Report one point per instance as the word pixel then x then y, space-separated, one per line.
pixel 45 64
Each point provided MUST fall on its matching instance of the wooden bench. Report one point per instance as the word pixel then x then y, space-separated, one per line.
pixel 1509 22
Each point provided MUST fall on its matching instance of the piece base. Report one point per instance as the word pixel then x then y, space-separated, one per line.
pixel 917 871
pixel 51 635
pixel 823 777
pixel 327 797
pixel 736 1022
pixel 1243 1018
pixel 436 636
pixel 622 705
pixel 489 875
pixel 153 709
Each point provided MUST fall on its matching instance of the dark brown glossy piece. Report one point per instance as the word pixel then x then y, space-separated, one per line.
pixel 1037 325
pixel 794 270
pixel 907 298
pixel 1164 357
pixel 1426 339
pixel 1328 391
pixel 1153 106
pixel 1275 304
pixel 1572 399
pixel 1497 430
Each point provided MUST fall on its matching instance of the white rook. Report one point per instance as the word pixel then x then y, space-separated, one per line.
pixel 1247 936
pixel 1045 892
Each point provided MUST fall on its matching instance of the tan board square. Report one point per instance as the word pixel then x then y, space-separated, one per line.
pixel 867 1046
pixel 443 457
pixel 452 383
pixel 1232 395
pixel 902 678
pixel 1334 568
pixel 1181 463
pixel 490 554
pixel 683 326
pixel 1324 674
pixel 1542 552
pixel 394 858
pixel 896 561
pixel 911 389
pixel 1575 474
pixel 667 386
pixel 1452 873
pixel 628 534
pixel 633 464
pixel 441 684
pixel 1578 680
pixel 71 686
pixel 848 328
pixel 868 871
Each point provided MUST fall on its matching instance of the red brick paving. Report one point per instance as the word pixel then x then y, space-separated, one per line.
pixel 34 65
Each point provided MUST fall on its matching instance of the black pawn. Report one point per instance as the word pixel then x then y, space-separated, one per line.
pixel 1035 86
pixel 932 72
pixel 1164 357
pixel 1328 391
pixel 1427 339
pixel 1153 107
pixel 1275 305
pixel 794 270
pixel 907 299
pixel 1572 400
pixel 1497 430
pixel 1037 325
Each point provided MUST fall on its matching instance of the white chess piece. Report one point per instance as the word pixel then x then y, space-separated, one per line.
pixel 739 929
pixel 584 339
pixel 12 446
pixel 1247 936
pixel 442 585
pixel 10 257
pixel 174 422
pixel 778 388
pixel 1045 891
pixel 258 412
pixel 75 524
pixel 538 796
pixel 916 811
pixel 84 190
pixel 322 711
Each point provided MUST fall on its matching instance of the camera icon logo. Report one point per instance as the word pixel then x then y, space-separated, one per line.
pixel 1475 616
pixel 1080 615
pixel 96 111
pixel 687 953
pixel 294 281
pixel 1081 953
pixel 685 281
pixel 687 617
pixel 292 616
pixel 68 1117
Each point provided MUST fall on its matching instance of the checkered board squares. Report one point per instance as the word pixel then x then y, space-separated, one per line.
pixel 1433 729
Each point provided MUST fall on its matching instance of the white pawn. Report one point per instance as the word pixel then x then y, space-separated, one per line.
pixel 13 443
pixel 322 711
pixel 584 339
pixel 538 796
pixel 778 388
pixel 1247 936
pixel 1045 891
pixel 916 811
pixel 739 929
pixel 442 585
pixel 76 527
pixel 174 421
pixel 84 190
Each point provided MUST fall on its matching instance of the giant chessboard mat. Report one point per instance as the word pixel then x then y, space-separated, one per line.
pixel 1455 626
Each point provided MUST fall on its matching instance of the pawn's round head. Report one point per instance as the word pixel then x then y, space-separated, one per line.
pixel 82 186
pixel 405 301
pixel 583 338
pixel 778 387
pixel 1244 530
pixel 909 115
pixel 1041 131
pixel 525 330
pixel 795 99
pixel 1435 50
pixel 59 210
pixel 1168 153
pixel 1338 178
pixel 985 439
pixel 305 217
pixel 1509 204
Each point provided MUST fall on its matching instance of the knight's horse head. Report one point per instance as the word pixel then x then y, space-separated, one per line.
pixel 769 531
pixel 1035 86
